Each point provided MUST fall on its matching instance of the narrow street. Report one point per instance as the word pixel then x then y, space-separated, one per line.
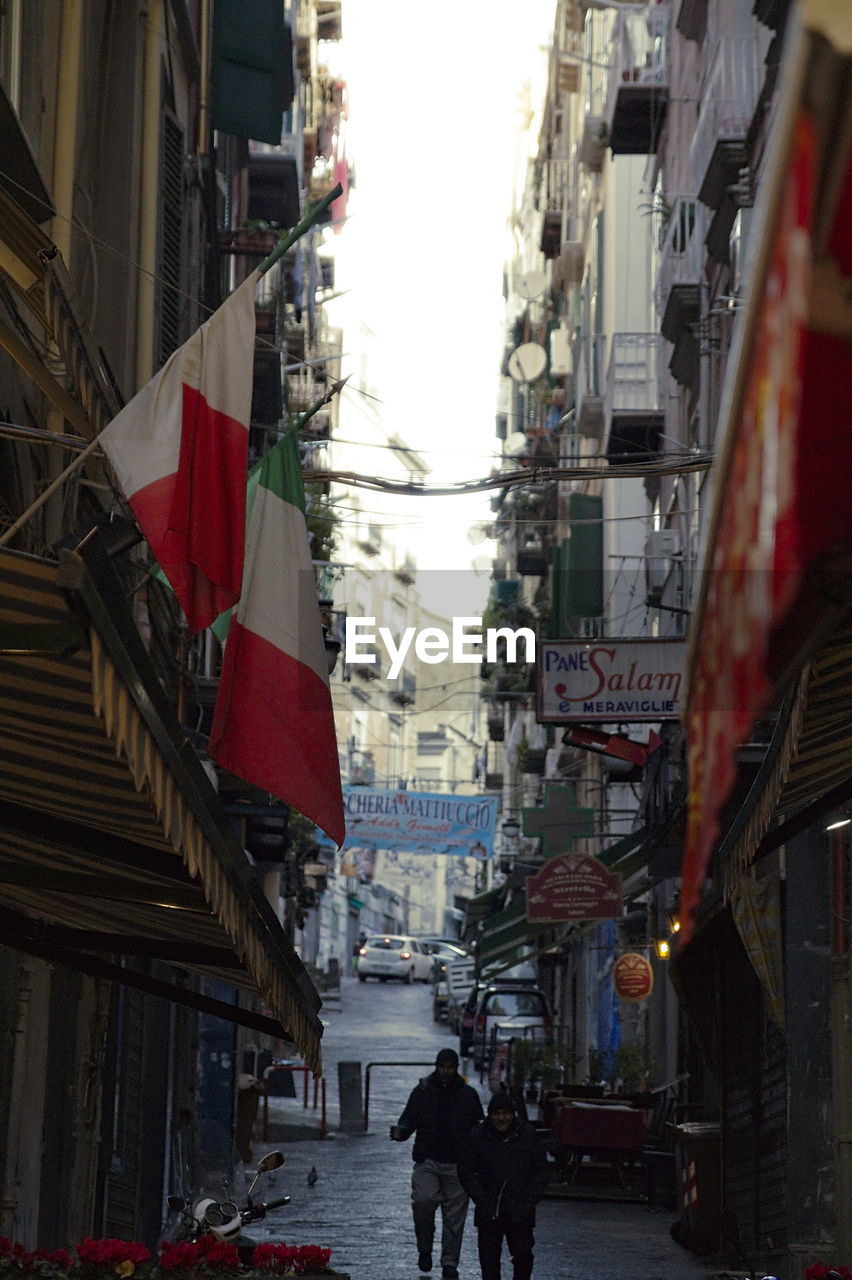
pixel 359 1206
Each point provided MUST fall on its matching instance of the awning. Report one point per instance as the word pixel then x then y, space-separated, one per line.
pixel 480 906
pixel 807 771
pixel 113 843
pixel 775 586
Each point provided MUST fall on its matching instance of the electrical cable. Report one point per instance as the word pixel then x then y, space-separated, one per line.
pixel 511 479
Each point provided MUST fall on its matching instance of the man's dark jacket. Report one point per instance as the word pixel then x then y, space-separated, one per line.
pixel 456 1101
pixel 504 1175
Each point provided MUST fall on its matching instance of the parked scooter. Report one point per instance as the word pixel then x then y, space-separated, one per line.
pixel 224 1219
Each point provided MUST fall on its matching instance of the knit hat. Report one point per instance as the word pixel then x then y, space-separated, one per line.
pixel 447 1055
pixel 501 1102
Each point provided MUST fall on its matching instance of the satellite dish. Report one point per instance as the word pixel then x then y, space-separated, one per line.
pixel 515 443
pixel 482 564
pixel 532 284
pixel 527 362
pixel 476 534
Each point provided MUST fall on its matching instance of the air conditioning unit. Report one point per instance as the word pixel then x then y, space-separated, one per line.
pixel 661 546
pixel 561 363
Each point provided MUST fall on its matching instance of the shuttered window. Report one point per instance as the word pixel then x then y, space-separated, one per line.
pixel 170 269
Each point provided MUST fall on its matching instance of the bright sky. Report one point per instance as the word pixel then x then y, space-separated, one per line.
pixel 435 96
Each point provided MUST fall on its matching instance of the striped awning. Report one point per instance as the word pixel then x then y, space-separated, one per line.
pixel 807 771
pixel 114 846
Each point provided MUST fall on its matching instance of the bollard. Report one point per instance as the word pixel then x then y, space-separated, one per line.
pixel 349 1090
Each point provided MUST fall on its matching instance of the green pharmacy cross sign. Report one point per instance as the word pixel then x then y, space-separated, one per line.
pixel 558 821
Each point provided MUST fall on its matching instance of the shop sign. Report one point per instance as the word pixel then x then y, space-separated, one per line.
pixel 419 822
pixel 606 680
pixel 574 886
pixel 632 977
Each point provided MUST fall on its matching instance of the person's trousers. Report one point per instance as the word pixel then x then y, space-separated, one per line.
pixel 519 1238
pixel 434 1185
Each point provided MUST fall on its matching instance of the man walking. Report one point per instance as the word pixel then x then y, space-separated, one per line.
pixel 503 1168
pixel 441 1110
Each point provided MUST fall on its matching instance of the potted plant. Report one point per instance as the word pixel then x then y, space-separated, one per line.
pixel 633 1065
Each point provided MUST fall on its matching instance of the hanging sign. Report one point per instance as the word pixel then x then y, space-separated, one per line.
pixel 575 886
pixel 610 680
pixel 419 822
pixel 632 977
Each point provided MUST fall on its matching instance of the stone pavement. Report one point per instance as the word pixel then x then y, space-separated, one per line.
pixel 359 1206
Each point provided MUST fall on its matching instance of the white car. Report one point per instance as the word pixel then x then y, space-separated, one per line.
pixel 393 955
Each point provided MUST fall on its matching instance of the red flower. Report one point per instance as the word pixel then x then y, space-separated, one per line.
pixel 274 1257
pixel 311 1257
pixel 178 1257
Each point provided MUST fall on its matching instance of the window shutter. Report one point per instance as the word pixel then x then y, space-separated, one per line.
pixel 170 270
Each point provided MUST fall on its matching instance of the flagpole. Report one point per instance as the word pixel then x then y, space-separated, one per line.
pixel 298 231
pixel 49 491
pixel 281 248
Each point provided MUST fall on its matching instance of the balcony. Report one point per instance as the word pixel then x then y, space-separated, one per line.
pixel 405 692
pixel 681 268
pixel 589 385
pixel 532 559
pixel 593 142
pixel 553 198
pixel 679 286
pixel 633 407
pixel 570 264
pixel 728 98
pixel 639 92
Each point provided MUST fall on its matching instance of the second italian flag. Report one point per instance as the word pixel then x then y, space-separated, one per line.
pixel 273 723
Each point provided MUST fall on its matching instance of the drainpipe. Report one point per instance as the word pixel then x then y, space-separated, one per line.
pixel 62 186
pixel 67 114
pixel 841 1043
pixel 149 193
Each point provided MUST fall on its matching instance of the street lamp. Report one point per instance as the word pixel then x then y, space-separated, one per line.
pixel 511 828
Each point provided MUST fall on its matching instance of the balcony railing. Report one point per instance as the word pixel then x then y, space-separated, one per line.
pixel 728 98
pixel 632 377
pixel 554 188
pixel 682 251
pixel 637 92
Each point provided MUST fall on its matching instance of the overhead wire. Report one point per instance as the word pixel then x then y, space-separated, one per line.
pixel 510 479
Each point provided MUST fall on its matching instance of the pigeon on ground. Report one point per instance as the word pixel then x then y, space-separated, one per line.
pixel 312 1176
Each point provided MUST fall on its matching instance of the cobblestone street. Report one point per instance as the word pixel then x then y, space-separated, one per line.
pixel 359 1206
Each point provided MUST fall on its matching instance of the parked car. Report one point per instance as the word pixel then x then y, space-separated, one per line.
pixel 461 976
pixel 466 1018
pixel 442 950
pixel 506 1012
pixel 393 955
pixel 440 1000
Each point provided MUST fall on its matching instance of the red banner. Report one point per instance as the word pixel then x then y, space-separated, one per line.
pixel 755 563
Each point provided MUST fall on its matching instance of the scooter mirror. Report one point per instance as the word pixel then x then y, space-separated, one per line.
pixel 273 1160
pixel 176 1203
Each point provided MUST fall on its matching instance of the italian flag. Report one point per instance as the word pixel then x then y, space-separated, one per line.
pixel 179 451
pixel 273 724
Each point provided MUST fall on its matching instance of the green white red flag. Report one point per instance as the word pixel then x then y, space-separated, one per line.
pixel 273 724
pixel 179 450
